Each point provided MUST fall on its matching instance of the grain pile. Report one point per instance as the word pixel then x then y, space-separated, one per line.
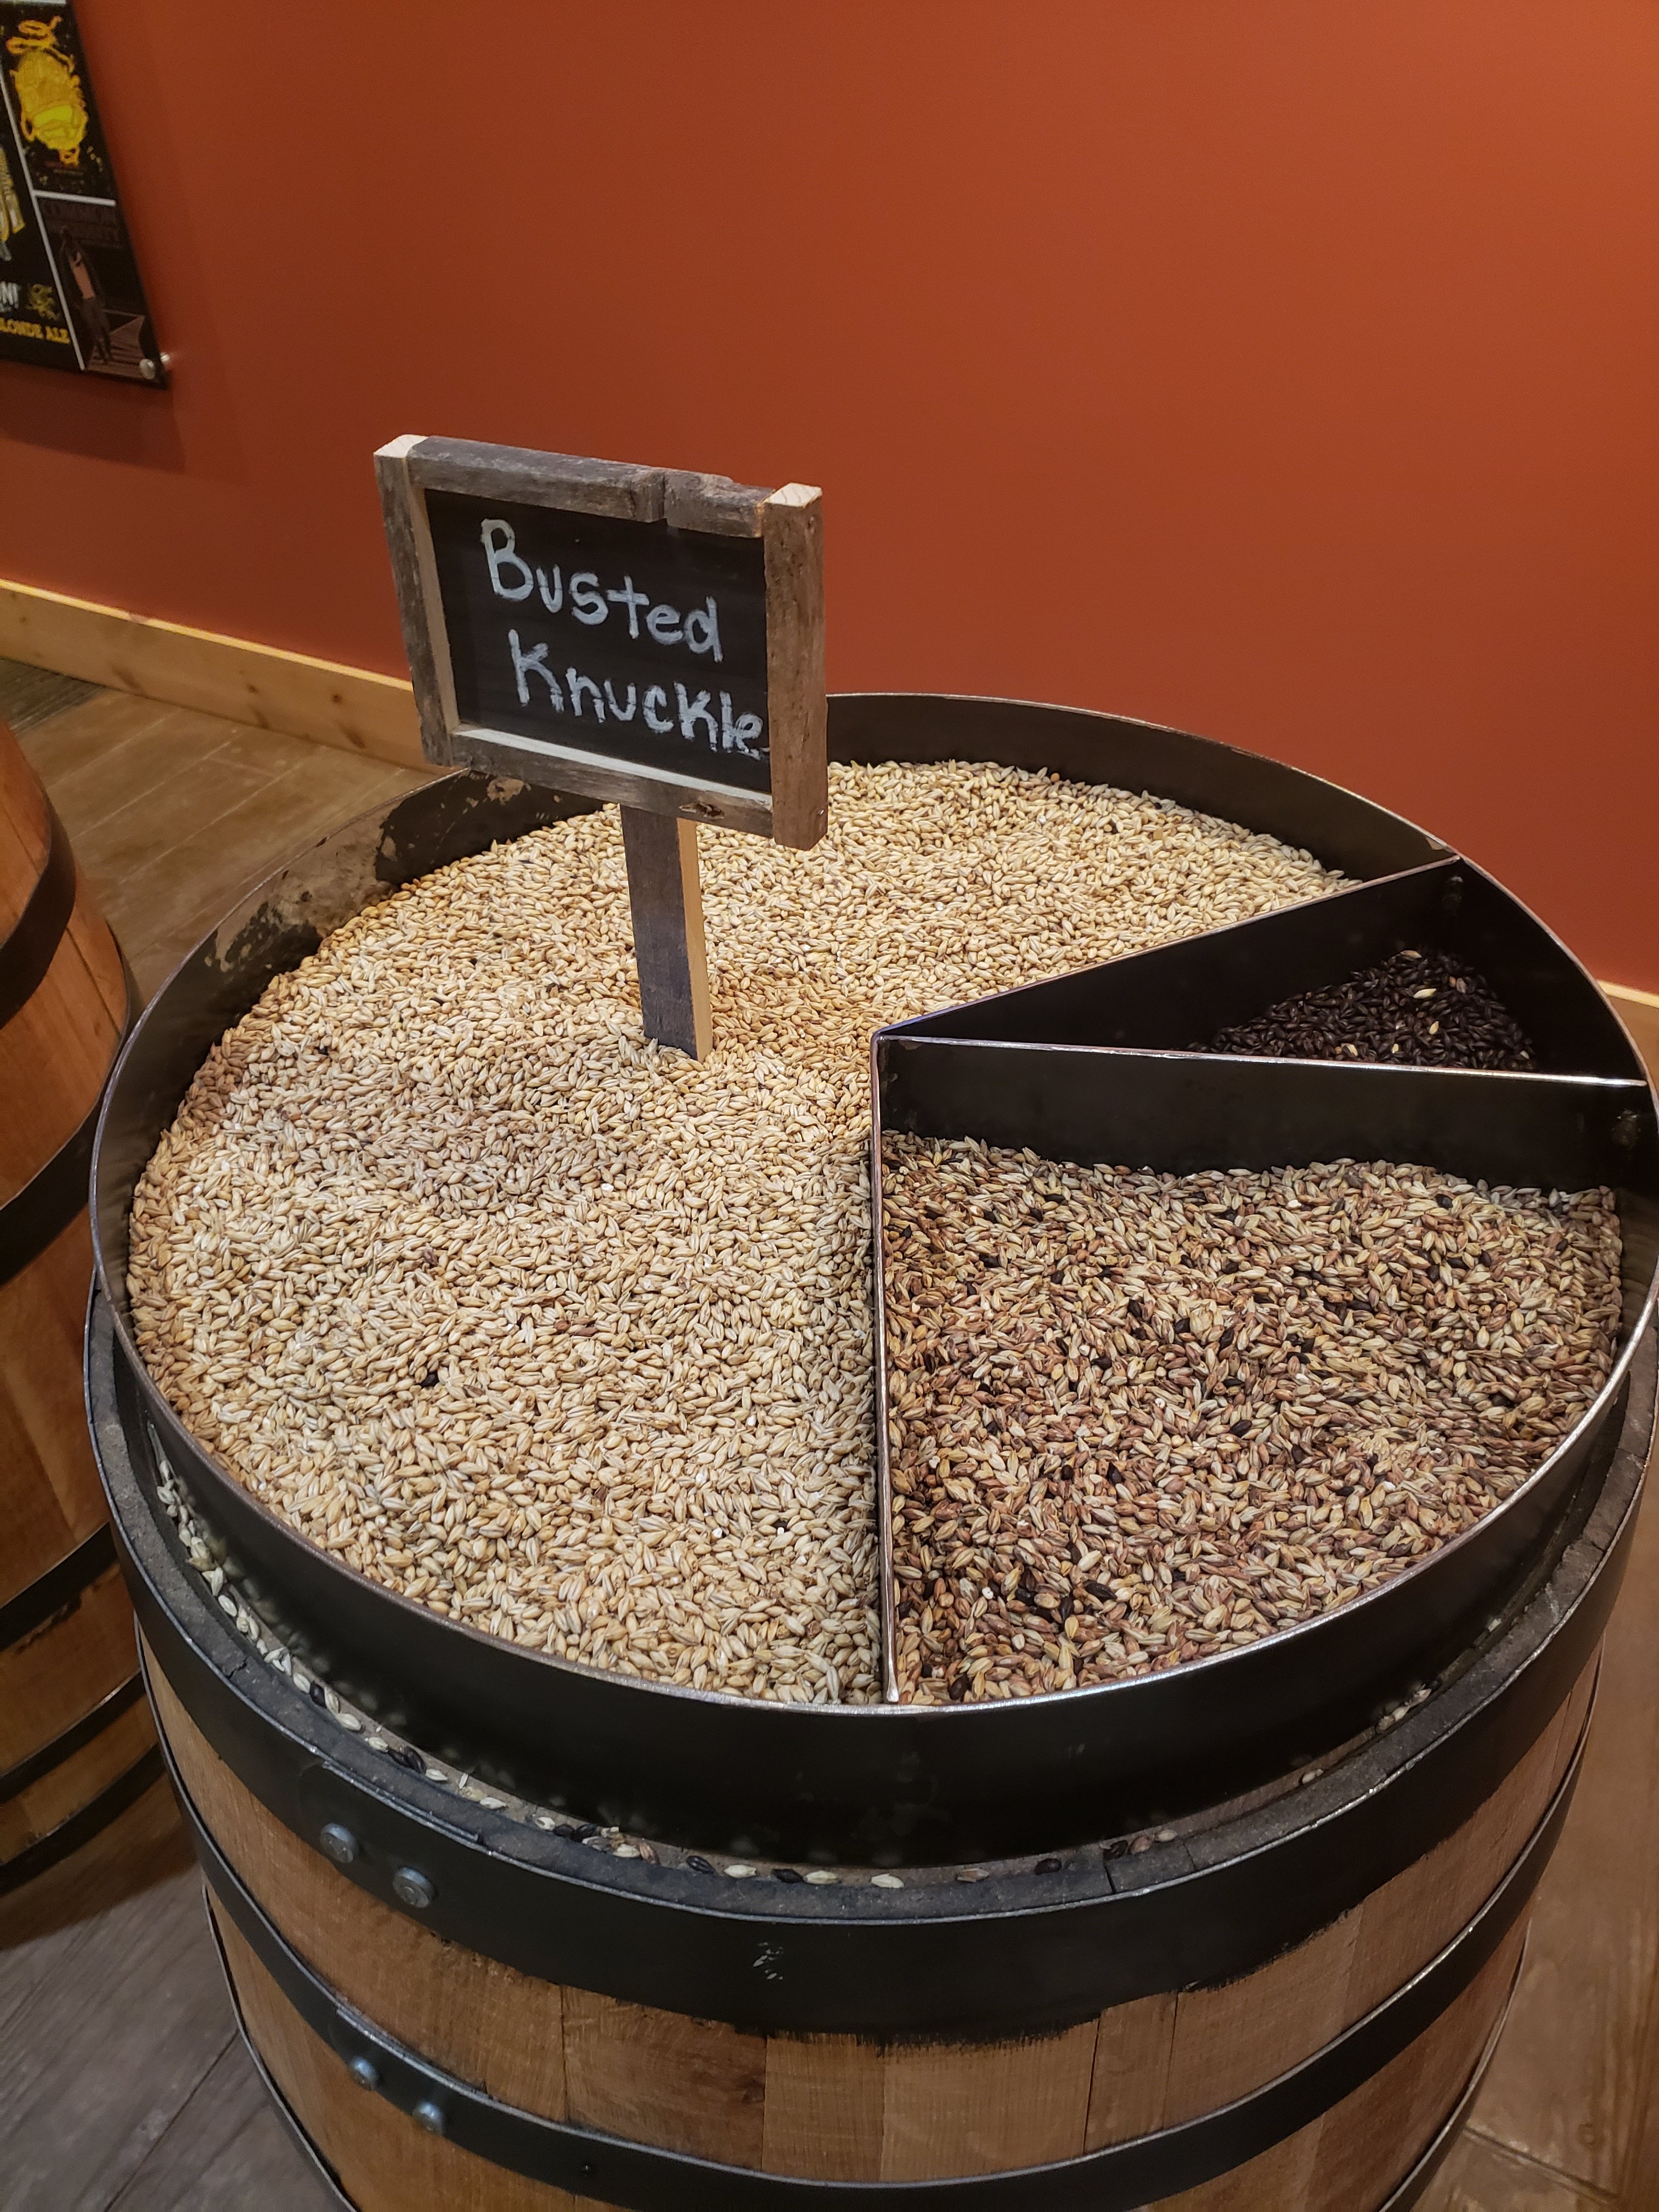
pixel 568 1337
pixel 1423 1009
pixel 1138 1417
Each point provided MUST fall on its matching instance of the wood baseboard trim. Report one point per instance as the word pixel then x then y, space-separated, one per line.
pixel 1639 1012
pixel 352 707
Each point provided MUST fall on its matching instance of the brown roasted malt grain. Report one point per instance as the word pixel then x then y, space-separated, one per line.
pixel 1136 1419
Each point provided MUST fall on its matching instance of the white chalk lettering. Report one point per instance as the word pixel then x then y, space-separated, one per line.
pixel 702 631
pixel 633 600
pixel 578 685
pixel 587 599
pixel 696 710
pixel 666 727
pixel 622 714
pixel 664 624
pixel 737 734
pixel 554 600
pixel 526 665
pixel 502 557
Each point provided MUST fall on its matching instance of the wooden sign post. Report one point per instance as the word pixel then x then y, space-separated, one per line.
pixel 646 635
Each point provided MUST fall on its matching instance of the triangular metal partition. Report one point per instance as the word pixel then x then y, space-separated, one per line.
pixel 1177 997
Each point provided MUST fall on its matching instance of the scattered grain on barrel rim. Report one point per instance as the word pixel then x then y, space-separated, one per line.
pixel 1138 1417
pixel 566 1336
pixel 1423 1009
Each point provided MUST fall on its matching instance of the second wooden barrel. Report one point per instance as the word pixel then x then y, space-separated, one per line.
pixel 77 1747
pixel 1281 2005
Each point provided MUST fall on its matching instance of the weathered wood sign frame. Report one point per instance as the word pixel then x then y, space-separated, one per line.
pixel 464 523
pixel 787 522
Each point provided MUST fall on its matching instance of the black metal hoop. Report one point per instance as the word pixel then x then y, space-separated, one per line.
pixel 31 944
pixel 51 1592
pixel 1409 2191
pixel 81 1827
pixel 69 1741
pixel 38 1214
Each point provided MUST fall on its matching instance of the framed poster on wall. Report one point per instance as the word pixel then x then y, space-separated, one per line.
pixel 70 293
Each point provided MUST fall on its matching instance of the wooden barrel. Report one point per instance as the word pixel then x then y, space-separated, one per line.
pixel 845 2108
pixel 77 1749
pixel 510 1933
pixel 1282 2004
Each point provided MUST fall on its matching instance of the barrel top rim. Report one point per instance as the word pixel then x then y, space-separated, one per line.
pixel 370 831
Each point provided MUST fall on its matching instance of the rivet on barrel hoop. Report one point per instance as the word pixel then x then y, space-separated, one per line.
pixel 340 1844
pixel 430 2117
pixel 364 2073
pixel 413 1886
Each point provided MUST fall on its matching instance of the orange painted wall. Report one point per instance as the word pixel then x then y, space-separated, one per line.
pixel 1288 369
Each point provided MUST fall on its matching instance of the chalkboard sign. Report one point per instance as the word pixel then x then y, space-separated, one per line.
pixel 635 640
pixel 647 635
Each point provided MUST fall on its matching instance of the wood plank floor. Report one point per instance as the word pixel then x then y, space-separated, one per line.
pixel 172 813
pixel 122 2081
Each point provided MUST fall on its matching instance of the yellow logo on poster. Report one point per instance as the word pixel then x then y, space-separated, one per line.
pixel 11 209
pixel 51 106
